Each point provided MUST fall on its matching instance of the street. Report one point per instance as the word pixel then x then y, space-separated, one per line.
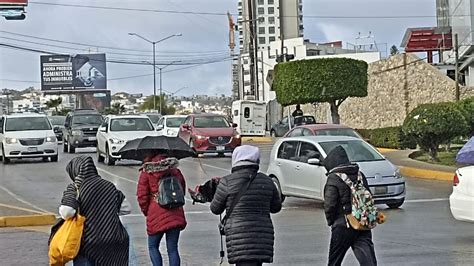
pixel 422 232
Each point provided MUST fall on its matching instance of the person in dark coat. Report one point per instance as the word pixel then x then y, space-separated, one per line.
pixel 249 229
pixel 297 111
pixel 337 203
pixel 159 220
pixel 105 241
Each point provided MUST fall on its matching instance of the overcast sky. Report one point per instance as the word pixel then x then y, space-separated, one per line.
pixel 203 35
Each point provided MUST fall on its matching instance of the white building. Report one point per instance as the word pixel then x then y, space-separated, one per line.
pixel 304 50
pixel 271 19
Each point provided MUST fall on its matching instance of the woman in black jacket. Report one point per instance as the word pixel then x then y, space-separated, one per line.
pixel 249 229
pixel 337 203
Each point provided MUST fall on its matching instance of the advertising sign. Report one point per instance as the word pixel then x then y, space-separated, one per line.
pixel 97 101
pixel 14 2
pixel 73 73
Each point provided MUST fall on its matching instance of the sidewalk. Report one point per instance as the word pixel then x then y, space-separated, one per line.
pixel 413 168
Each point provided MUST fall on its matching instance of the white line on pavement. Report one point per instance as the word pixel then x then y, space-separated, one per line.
pixel 426 200
pixel 22 200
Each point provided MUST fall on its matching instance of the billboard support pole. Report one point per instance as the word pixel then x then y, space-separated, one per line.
pixel 154 80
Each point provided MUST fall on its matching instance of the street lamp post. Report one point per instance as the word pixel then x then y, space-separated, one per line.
pixel 154 62
pixel 161 83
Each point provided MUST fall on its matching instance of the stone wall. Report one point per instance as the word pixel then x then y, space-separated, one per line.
pixel 393 91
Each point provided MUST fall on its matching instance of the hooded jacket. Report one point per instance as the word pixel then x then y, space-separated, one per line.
pixel 337 194
pixel 159 219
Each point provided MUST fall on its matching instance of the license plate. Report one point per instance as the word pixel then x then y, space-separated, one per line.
pixel 380 190
pixel 220 148
pixel 92 138
pixel 32 149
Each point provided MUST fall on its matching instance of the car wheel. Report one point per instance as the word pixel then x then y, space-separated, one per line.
pixel 70 148
pixel 54 158
pixel 277 184
pixel 273 133
pixel 108 160
pixel 45 159
pixel 100 159
pixel 5 159
pixel 395 205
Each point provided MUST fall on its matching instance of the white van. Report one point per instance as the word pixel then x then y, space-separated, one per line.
pixel 250 117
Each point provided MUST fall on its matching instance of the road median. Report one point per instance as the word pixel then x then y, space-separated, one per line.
pixel 27 220
pixel 257 139
pixel 426 174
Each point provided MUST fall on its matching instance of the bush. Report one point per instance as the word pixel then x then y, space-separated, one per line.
pixel 388 137
pixel 467 108
pixel 434 124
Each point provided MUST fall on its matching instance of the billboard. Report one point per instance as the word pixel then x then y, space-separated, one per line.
pixel 73 73
pixel 94 100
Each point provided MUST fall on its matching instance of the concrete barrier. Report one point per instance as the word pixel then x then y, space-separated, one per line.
pixel 257 139
pixel 426 174
pixel 27 220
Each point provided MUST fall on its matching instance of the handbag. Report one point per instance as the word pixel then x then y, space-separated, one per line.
pixel 66 242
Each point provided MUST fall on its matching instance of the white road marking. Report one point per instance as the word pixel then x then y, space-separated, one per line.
pixel 18 198
pixel 426 200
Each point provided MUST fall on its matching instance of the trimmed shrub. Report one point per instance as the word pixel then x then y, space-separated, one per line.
pixel 388 137
pixel 434 124
pixel 467 108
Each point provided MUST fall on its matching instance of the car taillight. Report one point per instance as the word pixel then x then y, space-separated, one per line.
pixel 455 180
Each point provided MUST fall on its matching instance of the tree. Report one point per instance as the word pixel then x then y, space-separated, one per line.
pixel 115 109
pixel 434 124
pixel 467 108
pixel 63 112
pixel 54 103
pixel 330 80
pixel 166 109
pixel 394 50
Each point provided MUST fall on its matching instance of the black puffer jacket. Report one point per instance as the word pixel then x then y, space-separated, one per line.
pixel 249 230
pixel 337 194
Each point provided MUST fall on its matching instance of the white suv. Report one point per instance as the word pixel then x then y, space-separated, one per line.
pixel 27 136
pixel 116 130
pixel 169 125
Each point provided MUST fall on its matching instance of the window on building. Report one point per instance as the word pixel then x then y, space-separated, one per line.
pixel 261 11
pixel 271 20
pixel 261 30
pixel 271 39
pixel 271 30
pixel 271 2
pixel 246 61
pixel 260 2
pixel 261 40
pixel 261 20
pixel 271 10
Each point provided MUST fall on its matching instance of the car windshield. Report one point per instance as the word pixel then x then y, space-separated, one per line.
pixel 174 121
pixel 57 120
pixel 338 132
pixel 87 120
pixel 357 150
pixel 131 124
pixel 154 118
pixel 27 123
pixel 211 121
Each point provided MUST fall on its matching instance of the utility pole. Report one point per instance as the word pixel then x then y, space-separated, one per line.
pixel 282 37
pixel 456 73
pixel 251 47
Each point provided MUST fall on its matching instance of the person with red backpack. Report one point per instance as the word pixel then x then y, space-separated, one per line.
pixel 346 232
pixel 159 179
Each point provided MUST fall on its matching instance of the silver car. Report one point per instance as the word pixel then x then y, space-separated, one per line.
pixel 295 167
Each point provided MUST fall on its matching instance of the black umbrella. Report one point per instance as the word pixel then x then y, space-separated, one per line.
pixel 137 149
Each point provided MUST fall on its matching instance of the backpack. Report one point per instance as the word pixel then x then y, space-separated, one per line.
pixel 170 192
pixel 364 213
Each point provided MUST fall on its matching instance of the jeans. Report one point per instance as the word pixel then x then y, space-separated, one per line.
pixel 172 237
pixel 82 261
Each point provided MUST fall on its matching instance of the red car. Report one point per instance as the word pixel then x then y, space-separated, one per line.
pixel 322 129
pixel 210 133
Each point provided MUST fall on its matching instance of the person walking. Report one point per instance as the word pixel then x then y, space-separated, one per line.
pixel 105 240
pixel 297 111
pixel 160 221
pixel 249 229
pixel 337 203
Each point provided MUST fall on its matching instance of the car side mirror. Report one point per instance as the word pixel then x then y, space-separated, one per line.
pixel 234 125
pixel 314 161
pixel 56 129
pixel 103 129
pixel 159 127
pixel 185 126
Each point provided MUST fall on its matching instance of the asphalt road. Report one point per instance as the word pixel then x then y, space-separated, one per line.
pixel 421 232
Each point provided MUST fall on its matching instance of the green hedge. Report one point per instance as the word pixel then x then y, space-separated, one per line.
pixel 467 108
pixel 388 137
pixel 319 80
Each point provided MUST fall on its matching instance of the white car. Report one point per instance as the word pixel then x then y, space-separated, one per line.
pixel 169 125
pixel 295 167
pixel 461 200
pixel 116 130
pixel 27 136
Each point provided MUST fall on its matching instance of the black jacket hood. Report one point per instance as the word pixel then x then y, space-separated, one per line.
pixel 336 157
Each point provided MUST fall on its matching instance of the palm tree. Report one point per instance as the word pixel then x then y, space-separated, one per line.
pixel 54 103
pixel 116 109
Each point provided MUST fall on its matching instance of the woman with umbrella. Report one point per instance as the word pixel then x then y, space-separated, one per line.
pixel 160 159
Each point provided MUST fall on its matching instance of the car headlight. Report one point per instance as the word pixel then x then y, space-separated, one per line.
pixel 11 140
pixel 397 174
pixel 51 139
pixel 116 141
pixel 200 137
pixel 169 132
pixel 76 132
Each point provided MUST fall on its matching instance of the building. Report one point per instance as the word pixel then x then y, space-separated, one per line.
pixel 261 22
pixel 442 13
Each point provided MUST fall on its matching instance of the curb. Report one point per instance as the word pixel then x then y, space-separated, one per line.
pixel 385 150
pixel 426 174
pixel 27 220
pixel 257 139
